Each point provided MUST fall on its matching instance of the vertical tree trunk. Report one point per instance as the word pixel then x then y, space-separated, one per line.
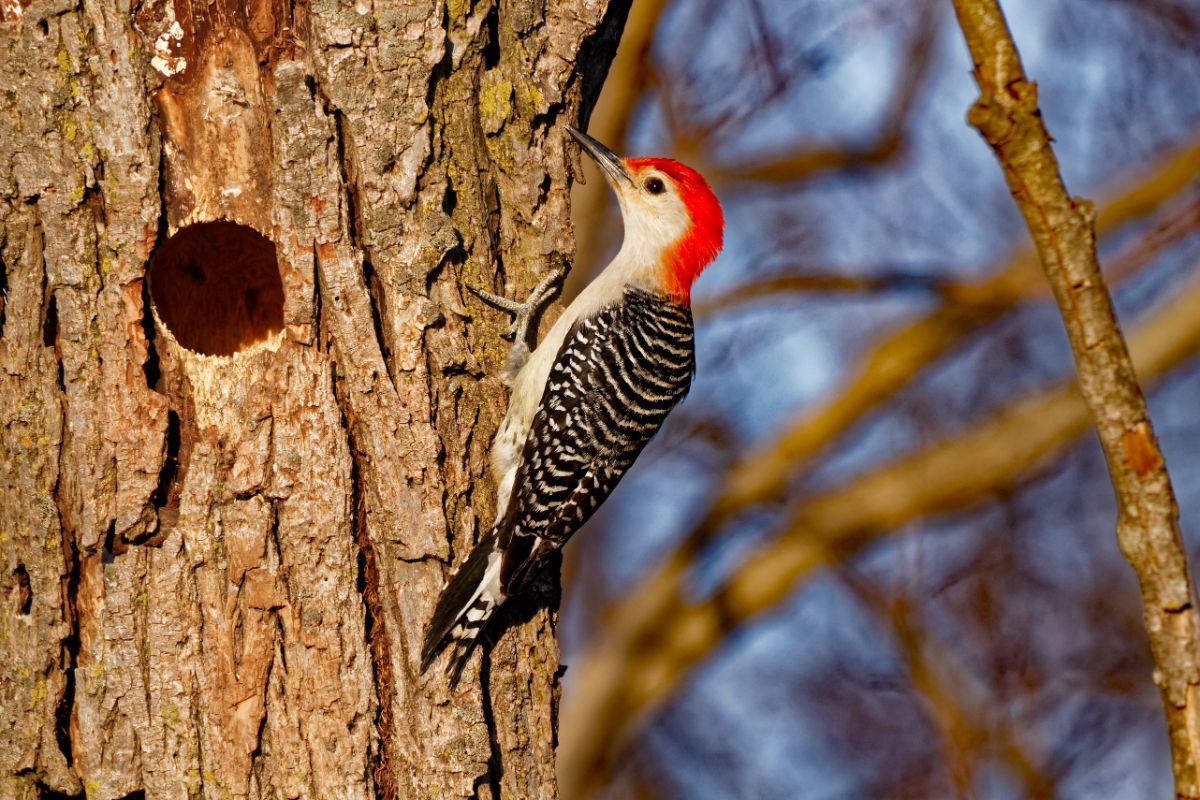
pixel 245 409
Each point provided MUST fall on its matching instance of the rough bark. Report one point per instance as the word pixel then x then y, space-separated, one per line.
pixel 225 514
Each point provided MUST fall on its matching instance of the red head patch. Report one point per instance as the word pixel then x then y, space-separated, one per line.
pixel 700 245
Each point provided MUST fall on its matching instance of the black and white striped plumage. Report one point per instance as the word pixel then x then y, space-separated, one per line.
pixel 617 374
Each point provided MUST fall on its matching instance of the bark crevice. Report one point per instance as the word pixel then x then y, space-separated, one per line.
pixel 3 288
pixel 70 646
pixel 50 321
pixel 374 624
pixel 169 475
pixel 495 765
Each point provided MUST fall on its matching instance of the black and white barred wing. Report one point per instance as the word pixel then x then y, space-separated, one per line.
pixel 617 376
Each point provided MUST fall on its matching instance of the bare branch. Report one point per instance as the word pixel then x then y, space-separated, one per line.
pixel 1168 230
pixel 953 700
pixel 1173 16
pixel 1008 117
pixel 825 281
pixel 811 159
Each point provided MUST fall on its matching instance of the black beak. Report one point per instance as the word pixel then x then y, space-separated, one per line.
pixel 606 159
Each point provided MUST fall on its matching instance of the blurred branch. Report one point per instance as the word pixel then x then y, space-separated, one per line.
pixel 765 48
pixel 942 680
pixel 1007 116
pixel 807 280
pixel 1172 16
pixel 812 158
pixel 763 474
pixel 1172 227
pixel 1177 223
pixel 662 631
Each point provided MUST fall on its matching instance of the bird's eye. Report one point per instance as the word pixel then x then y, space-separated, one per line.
pixel 655 186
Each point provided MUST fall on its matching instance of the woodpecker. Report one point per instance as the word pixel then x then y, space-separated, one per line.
pixel 594 391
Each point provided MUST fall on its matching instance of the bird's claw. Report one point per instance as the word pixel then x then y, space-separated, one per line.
pixel 524 313
pixel 502 303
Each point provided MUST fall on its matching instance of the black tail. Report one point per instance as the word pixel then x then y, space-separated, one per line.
pixel 457 618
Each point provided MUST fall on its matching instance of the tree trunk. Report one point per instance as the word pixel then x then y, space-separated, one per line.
pixel 245 408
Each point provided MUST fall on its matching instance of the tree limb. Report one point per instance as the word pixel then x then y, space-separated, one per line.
pixel 1166 231
pixel 1008 117
pixel 814 159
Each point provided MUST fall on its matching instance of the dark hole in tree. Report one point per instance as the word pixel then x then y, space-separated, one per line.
pixel 113 546
pixel 170 467
pixel 491 48
pixel 50 323
pixel 46 793
pixel 24 592
pixel 216 287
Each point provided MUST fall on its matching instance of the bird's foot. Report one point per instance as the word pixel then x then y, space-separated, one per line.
pixel 524 314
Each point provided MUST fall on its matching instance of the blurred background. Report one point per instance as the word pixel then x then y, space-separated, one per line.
pixel 882 371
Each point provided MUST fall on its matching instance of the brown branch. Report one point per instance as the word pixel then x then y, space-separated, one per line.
pixel 1008 117
pixel 804 279
pixel 1171 16
pixel 662 631
pixel 954 702
pixel 1168 230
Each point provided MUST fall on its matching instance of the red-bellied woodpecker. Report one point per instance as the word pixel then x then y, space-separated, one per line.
pixel 593 393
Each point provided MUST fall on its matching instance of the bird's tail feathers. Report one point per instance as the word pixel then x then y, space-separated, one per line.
pixel 464 635
pixel 464 608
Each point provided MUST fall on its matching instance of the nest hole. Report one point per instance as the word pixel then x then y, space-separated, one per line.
pixel 23 591
pixel 216 287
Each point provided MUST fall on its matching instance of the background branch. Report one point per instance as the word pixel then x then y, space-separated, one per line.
pixel 1008 117
pixel 812 159
pixel 761 475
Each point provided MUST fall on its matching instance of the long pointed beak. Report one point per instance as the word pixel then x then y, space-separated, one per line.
pixel 606 159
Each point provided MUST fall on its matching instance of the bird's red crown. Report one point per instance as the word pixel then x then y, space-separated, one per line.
pixel 696 249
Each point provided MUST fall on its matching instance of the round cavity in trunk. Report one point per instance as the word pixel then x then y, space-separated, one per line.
pixel 216 287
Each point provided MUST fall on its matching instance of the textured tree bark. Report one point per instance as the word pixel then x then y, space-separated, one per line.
pixel 245 409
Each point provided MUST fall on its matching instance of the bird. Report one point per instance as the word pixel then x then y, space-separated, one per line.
pixel 594 391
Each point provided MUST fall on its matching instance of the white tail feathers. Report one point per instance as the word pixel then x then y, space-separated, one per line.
pixel 463 610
